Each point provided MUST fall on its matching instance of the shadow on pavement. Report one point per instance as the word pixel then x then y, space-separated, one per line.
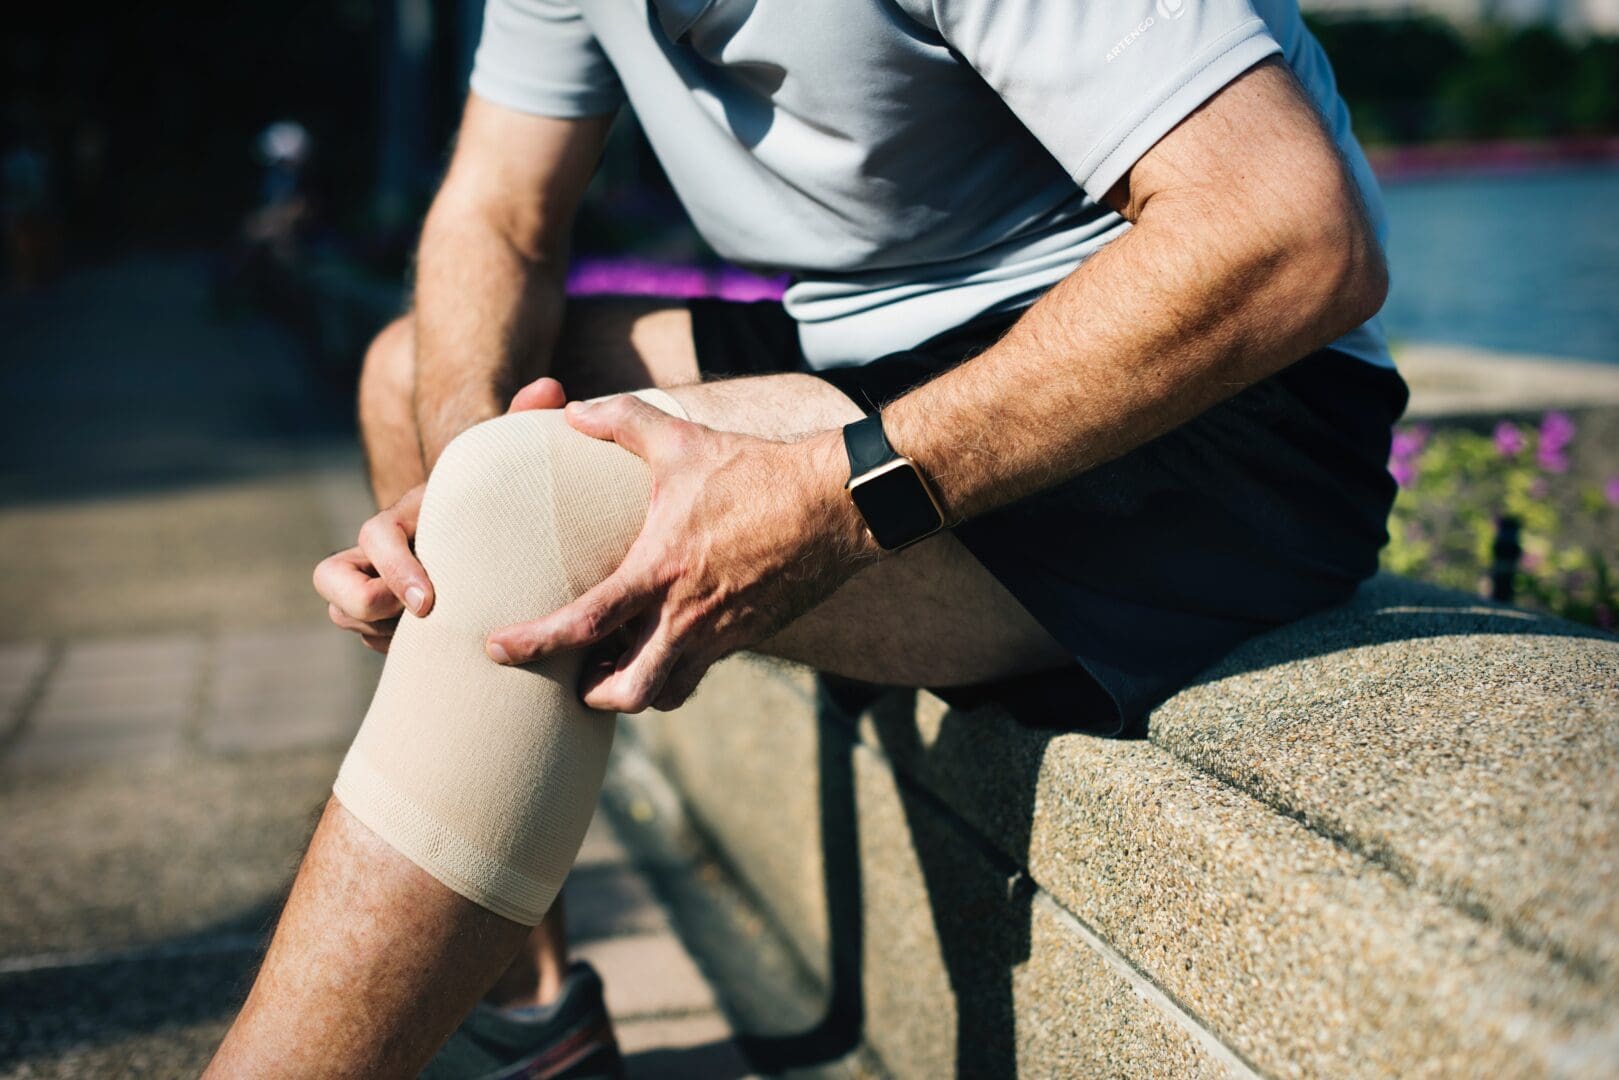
pixel 197 980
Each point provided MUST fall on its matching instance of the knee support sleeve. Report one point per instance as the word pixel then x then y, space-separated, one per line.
pixel 483 775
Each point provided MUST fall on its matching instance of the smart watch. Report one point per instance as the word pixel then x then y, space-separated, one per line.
pixel 888 489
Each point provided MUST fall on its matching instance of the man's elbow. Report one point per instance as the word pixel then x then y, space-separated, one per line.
pixel 1342 262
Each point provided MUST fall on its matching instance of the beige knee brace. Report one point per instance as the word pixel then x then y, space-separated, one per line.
pixel 486 776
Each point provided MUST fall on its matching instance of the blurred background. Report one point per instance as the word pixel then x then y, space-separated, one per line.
pixel 206 210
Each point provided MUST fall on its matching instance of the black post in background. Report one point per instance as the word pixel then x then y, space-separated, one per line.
pixel 1506 552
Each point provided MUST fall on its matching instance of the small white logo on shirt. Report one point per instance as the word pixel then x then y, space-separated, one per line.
pixel 1130 39
pixel 1169 9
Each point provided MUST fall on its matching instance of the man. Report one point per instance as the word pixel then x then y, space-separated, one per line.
pixel 1077 385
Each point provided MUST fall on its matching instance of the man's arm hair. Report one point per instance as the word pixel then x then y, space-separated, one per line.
pixel 492 260
pixel 1249 248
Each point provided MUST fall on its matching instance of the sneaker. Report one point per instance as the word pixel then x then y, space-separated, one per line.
pixel 570 1038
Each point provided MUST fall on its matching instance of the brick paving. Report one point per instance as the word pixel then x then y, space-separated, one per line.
pixel 173 704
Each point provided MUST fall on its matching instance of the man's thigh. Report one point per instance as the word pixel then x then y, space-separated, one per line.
pixel 929 616
pixel 613 344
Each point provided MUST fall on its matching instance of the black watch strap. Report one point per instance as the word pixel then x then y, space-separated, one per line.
pixel 867 445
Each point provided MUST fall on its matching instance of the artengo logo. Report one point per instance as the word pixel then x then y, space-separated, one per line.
pixel 1169 10
pixel 1130 39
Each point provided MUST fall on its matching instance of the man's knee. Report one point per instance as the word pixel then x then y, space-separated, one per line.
pixel 522 512
pixel 485 774
pixel 388 375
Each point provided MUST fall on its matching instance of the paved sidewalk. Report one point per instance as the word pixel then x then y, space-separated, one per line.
pixel 173 705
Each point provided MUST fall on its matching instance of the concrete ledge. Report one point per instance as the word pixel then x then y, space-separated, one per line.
pixel 1379 842
pixel 1460 380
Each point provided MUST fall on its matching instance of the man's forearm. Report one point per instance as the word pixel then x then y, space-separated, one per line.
pixel 1250 249
pixel 1142 338
pixel 485 313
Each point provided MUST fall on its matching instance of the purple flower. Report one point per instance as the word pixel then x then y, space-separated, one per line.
pixel 1610 490
pixel 1556 432
pixel 1508 439
pixel 1403 471
pixel 1409 441
pixel 1552 459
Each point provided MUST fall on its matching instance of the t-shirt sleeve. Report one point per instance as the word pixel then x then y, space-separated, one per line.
pixel 1098 82
pixel 540 56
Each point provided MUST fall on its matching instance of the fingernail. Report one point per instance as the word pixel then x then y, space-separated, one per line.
pixel 498 654
pixel 414 598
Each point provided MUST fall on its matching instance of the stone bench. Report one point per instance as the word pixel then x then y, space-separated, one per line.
pixel 1383 841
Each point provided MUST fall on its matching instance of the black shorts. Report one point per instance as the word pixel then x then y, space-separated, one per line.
pixel 1265 508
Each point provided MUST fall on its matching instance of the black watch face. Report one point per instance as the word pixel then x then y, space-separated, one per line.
pixel 896 505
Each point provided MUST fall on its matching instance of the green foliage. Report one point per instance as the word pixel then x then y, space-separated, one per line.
pixel 1391 71
pixel 1417 79
pixel 1456 485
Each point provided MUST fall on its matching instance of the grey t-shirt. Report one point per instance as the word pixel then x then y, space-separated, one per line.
pixel 912 163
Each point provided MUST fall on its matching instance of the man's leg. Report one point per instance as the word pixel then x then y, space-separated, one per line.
pixel 375 961
pixel 606 345
pixel 372 966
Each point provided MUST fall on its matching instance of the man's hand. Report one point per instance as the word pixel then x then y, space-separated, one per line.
pixel 742 536
pixel 368 586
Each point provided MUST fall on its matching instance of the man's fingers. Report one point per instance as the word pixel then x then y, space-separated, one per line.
pixel 628 421
pixel 639 675
pixel 681 684
pixel 545 393
pixel 364 627
pixel 385 543
pixel 587 620
pixel 347 581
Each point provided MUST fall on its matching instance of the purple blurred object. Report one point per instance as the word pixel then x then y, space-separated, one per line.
pixel 1610 491
pixel 1552 459
pixel 1508 439
pixel 1403 470
pixel 1556 432
pixel 638 277
pixel 1409 441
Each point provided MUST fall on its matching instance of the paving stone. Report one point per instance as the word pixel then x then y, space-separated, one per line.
pixel 151 680
pixel 648 975
pixel 681 1048
pixel 601 846
pixel 21 665
pixel 147 852
pixel 186 557
pixel 285 687
pixel 610 901
pixel 86 745
pixel 112 699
